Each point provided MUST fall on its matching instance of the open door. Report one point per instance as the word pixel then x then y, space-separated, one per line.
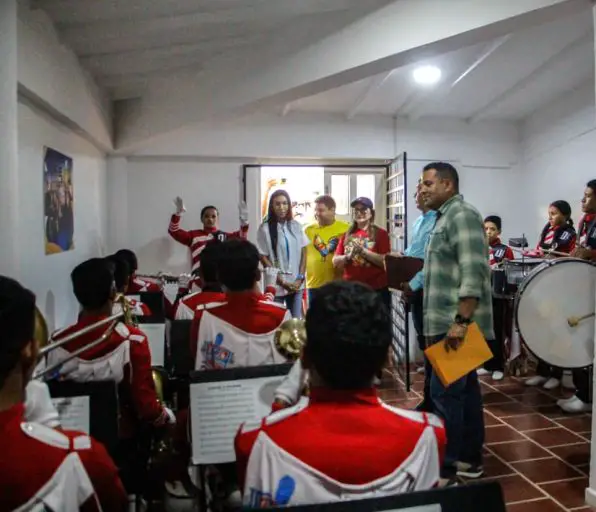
pixel 397 227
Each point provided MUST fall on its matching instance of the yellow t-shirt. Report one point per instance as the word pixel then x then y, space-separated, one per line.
pixel 320 250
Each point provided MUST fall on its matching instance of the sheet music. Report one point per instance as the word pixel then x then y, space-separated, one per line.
pixel 74 412
pixel 155 333
pixel 219 408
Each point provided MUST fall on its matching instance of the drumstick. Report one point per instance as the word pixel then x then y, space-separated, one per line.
pixel 574 320
pixel 545 251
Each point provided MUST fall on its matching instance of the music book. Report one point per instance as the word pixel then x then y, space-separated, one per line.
pixel 401 269
pixel 453 365
pixel 155 335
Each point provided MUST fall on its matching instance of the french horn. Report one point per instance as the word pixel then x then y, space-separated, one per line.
pixel 41 333
pixel 290 337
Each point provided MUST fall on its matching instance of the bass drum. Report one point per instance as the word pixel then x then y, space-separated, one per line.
pixel 550 295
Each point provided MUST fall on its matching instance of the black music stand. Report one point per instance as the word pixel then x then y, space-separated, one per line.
pixel 234 375
pixel 154 301
pixel 178 353
pixel 103 407
pixel 487 496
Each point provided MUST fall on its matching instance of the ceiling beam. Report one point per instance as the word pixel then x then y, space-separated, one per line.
pixel 521 84
pixel 286 109
pixel 443 90
pixel 375 84
pixel 365 48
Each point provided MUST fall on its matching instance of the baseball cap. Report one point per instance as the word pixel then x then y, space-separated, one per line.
pixel 365 201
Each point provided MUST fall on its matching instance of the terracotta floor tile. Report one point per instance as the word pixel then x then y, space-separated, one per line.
pixel 519 450
pixel 535 506
pixel 551 411
pixel 529 422
pixel 510 409
pixel 493 397
pixel 537 398
pixel 500 434
pixel 546 470
pixel 515 488
pixel 570 493
pixel 575 454
pixel 490 420
pixel 553 437
pixel 403 404
pixel 493 467
pixel 577 424
pixel 511 388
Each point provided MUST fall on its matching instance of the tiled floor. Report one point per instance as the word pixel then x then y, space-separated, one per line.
pixel 539 455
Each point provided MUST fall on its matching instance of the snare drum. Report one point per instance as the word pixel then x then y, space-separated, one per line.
pixel 552 293
pixel 517 270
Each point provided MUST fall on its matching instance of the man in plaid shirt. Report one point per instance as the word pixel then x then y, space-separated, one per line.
pixel 457 291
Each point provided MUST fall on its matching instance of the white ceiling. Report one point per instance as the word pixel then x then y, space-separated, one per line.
pixel 127 43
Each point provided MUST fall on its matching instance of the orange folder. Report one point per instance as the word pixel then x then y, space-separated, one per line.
pixel 453 365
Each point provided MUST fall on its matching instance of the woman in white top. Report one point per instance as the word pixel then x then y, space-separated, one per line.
pixel 282 245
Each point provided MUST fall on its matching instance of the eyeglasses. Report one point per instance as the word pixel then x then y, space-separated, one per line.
pixel 360 210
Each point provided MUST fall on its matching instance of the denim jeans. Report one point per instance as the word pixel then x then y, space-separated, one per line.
pixel 293 302
pixel 460 406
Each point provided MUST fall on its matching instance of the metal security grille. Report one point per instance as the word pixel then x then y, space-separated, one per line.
pixel 397 227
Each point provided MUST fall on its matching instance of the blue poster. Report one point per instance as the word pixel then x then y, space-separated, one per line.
pixel 58 202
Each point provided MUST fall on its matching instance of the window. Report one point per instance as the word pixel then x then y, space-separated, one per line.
pixel 365 186
pixel 340 191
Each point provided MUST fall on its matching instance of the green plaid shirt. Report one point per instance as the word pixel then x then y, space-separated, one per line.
pixel 456 266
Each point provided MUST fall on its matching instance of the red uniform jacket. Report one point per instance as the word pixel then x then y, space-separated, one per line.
pixel 560 239
pixel 137 285
pixel 198 238
pixel 124 358
pixel 338 445
pixel 587 232
pixel 250 312
pixel 498 251
pixel 64 470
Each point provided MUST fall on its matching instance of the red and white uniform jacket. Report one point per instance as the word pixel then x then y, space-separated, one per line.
pixel 198 238
pixel 42 468
pixel 336 446
pixel 188 304
pixel 239 332
pixel 137 308
pixel 137 285
pixel 560 239
pixel 587 232
pixel 124 358
pixel 498 251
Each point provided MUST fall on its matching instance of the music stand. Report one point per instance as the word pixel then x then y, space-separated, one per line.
pixel 224 389
pixel 103 407
pixel 465 498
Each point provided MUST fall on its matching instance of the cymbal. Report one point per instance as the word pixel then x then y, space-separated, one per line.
pixel 290 337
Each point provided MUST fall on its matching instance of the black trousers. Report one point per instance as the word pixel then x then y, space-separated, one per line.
pixel 502 326
pixel 582 380
pixel 546 370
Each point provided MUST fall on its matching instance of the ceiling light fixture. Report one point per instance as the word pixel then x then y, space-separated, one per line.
pixel 427 75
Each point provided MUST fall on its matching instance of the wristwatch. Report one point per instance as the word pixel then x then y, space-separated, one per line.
pixel 461 320
pixel 300 276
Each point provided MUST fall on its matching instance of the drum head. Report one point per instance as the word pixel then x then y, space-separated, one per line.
pixel 553 293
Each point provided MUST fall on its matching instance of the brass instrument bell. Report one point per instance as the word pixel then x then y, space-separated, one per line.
pixel 290 337
pixel 40 331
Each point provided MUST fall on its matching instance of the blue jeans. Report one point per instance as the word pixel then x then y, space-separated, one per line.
pixel 460 406
pixel 293 302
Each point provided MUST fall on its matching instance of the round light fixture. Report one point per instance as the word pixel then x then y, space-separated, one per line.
pixel 427 75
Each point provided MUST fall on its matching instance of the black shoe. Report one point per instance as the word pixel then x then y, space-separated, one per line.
pixel 467 470
pixel 424 406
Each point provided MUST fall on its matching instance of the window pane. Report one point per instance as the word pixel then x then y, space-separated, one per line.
pixel 365 186
pixel 340 191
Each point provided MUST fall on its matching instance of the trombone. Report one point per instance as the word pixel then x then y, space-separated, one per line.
pixel 41 335
pixel 163 277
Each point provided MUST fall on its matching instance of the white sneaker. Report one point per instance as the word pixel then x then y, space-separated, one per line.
pixel 420 369
pixel 535 381
pixel 498 376
pixel 562 401
pixel 552 383
pixel 482 371
pixel 576 406
pixel 234 500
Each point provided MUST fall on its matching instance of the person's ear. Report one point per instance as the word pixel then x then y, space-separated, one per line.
pixel 29 354
pixel 258 275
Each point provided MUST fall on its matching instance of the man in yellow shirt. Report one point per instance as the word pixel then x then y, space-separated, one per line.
pixel 324 235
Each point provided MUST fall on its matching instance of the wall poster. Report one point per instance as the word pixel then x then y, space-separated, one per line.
pixel 58 202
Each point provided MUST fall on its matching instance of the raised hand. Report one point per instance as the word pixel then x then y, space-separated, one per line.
pixel 179 205
pixel 243 213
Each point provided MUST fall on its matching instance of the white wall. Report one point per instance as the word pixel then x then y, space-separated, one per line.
pixel 558 156
pixel 203 164
pixel 50 72
pixel 49 276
